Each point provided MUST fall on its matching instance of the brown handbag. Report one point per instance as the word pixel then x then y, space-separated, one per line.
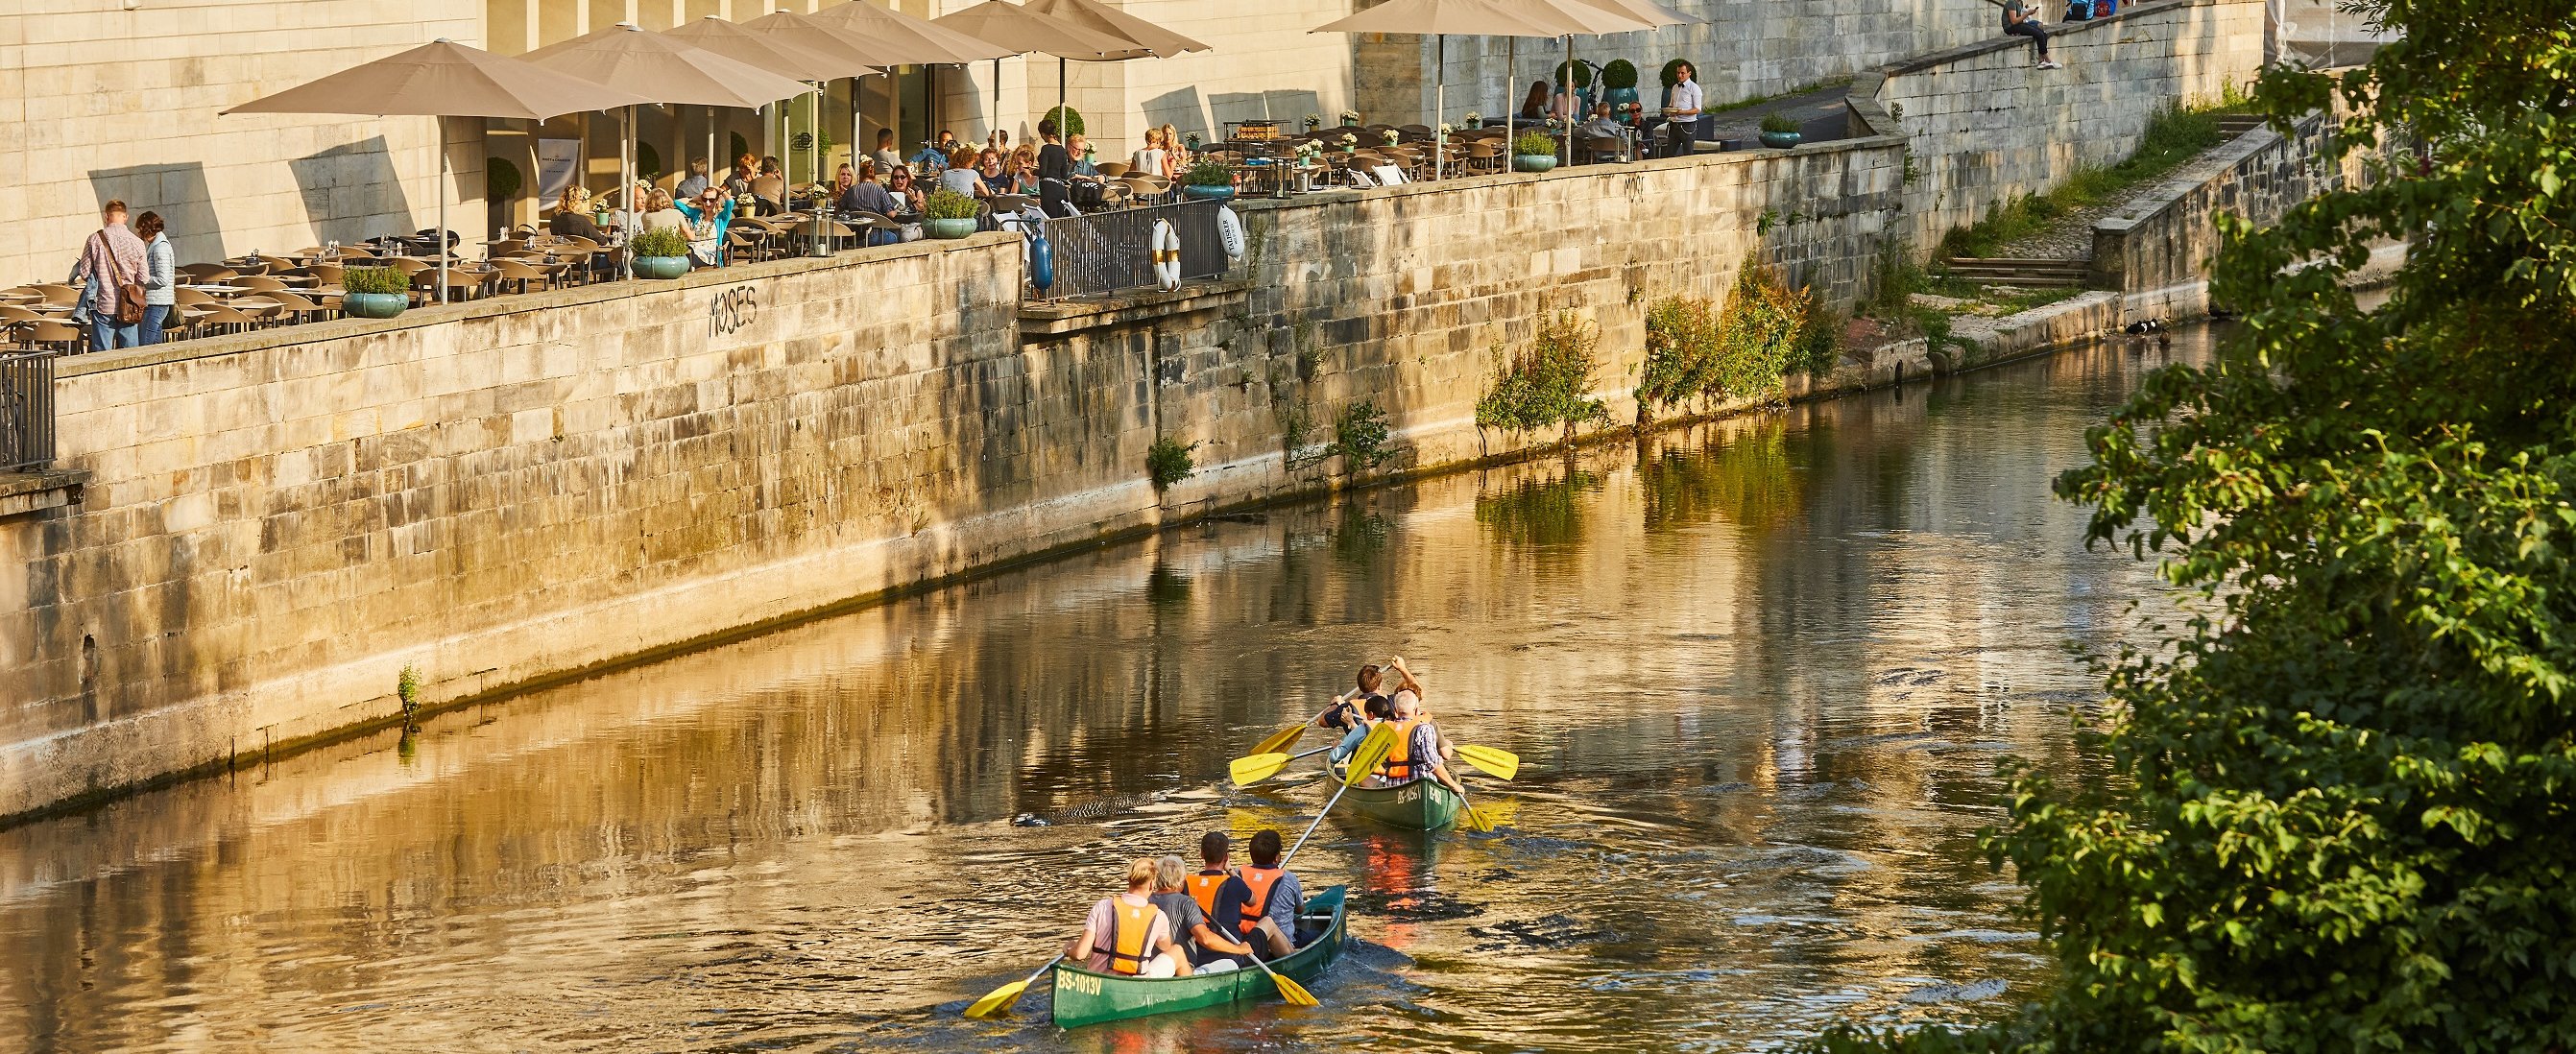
pixel 129 303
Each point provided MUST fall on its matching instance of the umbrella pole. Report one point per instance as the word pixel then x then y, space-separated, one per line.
pixel 1511 83
pixel 1059 97
pixel 1440 108
pixel 993 122
pixel 1570 101
pixel 442 208
pixel 626 191
pixel 711 146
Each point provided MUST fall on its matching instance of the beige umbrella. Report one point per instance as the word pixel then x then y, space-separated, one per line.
pixel 863 54
pixel 445 79
pixel 906 40
pixel 1441 19
pixel 663 69
pixel 1580 18
pixel 785 54
pixel 1155 40
pixel 1024 30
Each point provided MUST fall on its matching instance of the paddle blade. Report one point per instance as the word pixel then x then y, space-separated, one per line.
pixel 1254 769
pixel 998 1000
pixel 1478 820
pixel 1493 761
pixel 1372 750
pixel 1279 740
pixel 1296 994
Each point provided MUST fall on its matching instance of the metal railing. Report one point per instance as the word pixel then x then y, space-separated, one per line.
pixel 26 411
pixel 1104 252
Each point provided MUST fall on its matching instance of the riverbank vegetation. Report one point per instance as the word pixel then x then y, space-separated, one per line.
pixel 1699 353
pixel 1546 383
pixel 2341 781
pixel 2173 136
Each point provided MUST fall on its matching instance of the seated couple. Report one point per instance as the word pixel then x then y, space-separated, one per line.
pixel 1172 923
pixel 1420 749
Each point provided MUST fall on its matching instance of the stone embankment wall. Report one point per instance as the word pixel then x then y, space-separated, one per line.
pixel 1982 127
pixel 275 525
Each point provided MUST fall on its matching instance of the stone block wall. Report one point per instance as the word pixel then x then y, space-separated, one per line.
pixel 2157 250
pixel 99 101
pixel 1984 128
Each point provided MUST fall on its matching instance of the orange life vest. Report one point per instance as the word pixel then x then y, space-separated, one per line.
pixel 1129 927
pixel 1261 880
pixel 1203 887
pixel 1399 764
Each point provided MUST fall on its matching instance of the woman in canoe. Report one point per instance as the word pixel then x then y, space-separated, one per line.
pixel 1126 934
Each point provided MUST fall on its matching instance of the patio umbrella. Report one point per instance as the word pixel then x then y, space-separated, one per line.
pixel 661 69
pixel 445 79
pixel 1439 19
pixel 1156 41
pixel 908 41
pixel 1024 31
pixel 863 55
pixel 1581 18
pixel 777 53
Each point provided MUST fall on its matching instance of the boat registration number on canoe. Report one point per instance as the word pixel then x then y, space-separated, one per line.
pixel 1083 983
pixel 1411 793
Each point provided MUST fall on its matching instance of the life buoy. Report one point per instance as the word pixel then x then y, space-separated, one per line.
pixel 1041 262
pixel 1229 229
pixel 1167 255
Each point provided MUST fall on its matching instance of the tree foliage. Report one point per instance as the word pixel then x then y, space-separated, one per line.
pixel 2340 818
pixel 1547 382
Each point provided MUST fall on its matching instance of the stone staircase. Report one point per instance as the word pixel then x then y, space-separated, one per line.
pixel 2024 273
pixel 2235 124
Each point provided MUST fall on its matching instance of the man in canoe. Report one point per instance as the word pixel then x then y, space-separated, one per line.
pixel 1343 713
pixel 1417 747
pixel 1228 899
pixel 1413 688
pixel 1379 710
pixel 1210 949
pixel 1275 896
pixel 1126 934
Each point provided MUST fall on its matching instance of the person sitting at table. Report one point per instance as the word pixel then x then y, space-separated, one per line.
pixel 697 181
pixel 959 175
pixel 1601 124
pixel 1079 149
pixel 1534 108
pixel 709 220
pixel 1148 161
pixel 885 156
pixel 628 216
pixel 738 182
pixel 770 187
pixel 934 158
pixel 1024 171
pixel 660 215
pixel 572 216
pixel 905 192
pixel 867 195
pixel 988 175
pixel 844 180
pixel 1176 155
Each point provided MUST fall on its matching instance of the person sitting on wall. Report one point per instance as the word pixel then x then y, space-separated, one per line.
pixel 2020 22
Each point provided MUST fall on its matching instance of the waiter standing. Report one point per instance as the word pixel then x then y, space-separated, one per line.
pixel 1681 109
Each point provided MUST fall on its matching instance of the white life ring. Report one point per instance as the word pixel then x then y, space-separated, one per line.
pixel 1229 229
pixel 1166 245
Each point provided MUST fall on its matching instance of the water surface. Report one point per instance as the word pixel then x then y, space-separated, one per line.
pixel 1761 673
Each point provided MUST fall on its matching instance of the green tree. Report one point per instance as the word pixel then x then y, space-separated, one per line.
pixel 2344 783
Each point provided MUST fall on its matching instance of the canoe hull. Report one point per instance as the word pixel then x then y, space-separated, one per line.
pixel 1419 805
pixel 1086 998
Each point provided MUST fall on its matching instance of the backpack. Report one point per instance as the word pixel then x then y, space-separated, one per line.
pixel 2079 10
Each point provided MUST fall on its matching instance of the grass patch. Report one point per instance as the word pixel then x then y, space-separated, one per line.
pixel 2173 136
pixel 1757 100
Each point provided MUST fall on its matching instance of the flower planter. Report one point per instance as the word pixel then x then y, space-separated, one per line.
pixel 1533 162
pixel 1780 140
pixel 949 229
pixel 1618 97
pixel 661 266
pixel 1210 193
pixel 373 305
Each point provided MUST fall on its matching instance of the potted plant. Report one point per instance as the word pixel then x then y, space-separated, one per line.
pixel 1779 132
pixel 374 292
pixel 1192 138
pixel 1532 152
pixel 1393 137
pixel 1207 179
pixel 660 253
pixel 1314 121
pixel 949 214
pixel 1350 118
pixel 1619 84
pixel 1473 119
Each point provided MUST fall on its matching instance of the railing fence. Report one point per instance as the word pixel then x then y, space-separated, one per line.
pixel 26 411
pixel 1104 252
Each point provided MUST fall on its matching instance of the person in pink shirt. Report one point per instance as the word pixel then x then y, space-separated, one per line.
pixel 1127 935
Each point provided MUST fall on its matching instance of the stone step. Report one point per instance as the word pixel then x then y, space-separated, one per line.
pixel 2234 125
pixel 2033 281
pixel 1991 262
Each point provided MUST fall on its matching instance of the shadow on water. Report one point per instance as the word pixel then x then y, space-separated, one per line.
pixel 1760 673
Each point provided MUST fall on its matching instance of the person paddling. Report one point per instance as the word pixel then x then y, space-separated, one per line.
pixel 1343 713
pixel 1416 752
pixel 1379 710
pixel 1126 934
pixel 1218 895
pixel 1205 948
pixel 1271 909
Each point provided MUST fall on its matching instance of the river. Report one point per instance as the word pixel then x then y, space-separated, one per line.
pixel 1761 673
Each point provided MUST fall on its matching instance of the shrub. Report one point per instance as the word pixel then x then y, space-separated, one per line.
pixel 1168 462
pixel 1681 354
pixel 1208 174
pixel 1778 122
pixel 501 180
pixel 1533 143
pixel 373 280
pixel 1582 75
pixel 1360 434
pixel 1759 334
pixel 1547 382
pixel 1068 121
pixel 1620 73
pixel 947 204
pixel 407 689
pixel 1672 74
pixel 663 241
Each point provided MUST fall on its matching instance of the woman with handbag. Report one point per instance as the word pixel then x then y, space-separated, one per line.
pixel 160 276
pixel 110 277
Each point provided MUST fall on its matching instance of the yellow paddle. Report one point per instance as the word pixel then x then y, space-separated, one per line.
pixel 1476 821
pixel 1279 740
pixel 1372 750
pixel 1296 994
pixel 1250 770
pixel 1499 763
pixel 1000 999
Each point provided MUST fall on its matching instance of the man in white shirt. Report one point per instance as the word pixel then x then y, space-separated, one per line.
pixel 1681 112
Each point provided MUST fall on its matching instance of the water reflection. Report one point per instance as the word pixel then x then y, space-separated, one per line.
pixel 1760 671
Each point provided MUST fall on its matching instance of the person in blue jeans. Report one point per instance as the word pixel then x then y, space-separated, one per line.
pixel 2019 22
pixel 160 277
pixel 110 259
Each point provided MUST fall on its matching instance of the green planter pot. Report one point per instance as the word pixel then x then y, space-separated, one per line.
pixel 661 266
pixel 949 230
pixel 1533 162
pixel 1780 140
pixel 1213 193
pixel 373 305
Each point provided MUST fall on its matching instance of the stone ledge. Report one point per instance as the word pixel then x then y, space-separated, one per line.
pixel 1063 317
pixel 27 492
pixel 2056 31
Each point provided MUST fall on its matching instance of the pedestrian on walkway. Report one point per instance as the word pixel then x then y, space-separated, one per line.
pixel 110 277
pixel 2018 22
pixel 160 277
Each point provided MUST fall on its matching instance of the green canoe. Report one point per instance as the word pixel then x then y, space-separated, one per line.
pixel 1420 804
pixel 1086 998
